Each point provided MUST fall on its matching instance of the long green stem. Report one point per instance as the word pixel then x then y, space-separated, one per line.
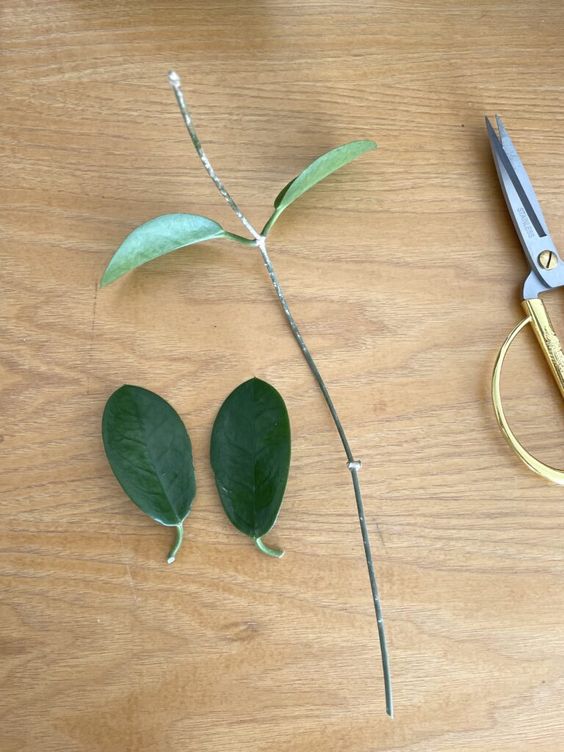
pixel 177 543
pixel 352 463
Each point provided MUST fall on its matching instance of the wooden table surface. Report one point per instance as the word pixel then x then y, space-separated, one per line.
pixel 405 272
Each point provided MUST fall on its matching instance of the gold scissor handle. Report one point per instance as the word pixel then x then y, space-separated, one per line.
pixel 547 337
pixel 537 316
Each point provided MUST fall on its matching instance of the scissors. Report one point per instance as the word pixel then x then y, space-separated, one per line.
pixel 547 273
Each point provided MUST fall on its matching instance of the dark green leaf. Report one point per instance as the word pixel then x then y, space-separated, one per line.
pixel 250 457
pixel 150 453
pixel 314 173
pixel 157 237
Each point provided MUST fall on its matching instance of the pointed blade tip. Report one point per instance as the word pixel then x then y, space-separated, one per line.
pixel 501 126
pixel 492 133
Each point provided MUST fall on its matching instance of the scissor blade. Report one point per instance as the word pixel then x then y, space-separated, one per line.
pixel 520 171
pixel 509 172
pixel 526 215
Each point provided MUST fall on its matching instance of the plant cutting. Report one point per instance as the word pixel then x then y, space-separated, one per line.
pixel 150 453
pixel 170 232
pixel 250 457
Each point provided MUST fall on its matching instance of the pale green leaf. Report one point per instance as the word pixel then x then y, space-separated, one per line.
pixel 157 237
pixel 319 169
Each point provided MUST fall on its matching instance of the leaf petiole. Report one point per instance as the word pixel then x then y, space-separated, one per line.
pixel 271 220
pixel 177 543
pixel 275 552
pixel 240 238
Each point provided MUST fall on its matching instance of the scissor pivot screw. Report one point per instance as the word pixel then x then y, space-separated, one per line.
pixel 548 259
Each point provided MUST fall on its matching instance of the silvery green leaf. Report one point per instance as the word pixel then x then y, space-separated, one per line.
pixel 319 169
pixel 157 237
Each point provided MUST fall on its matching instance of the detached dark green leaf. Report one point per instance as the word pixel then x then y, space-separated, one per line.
pixel 250 457
pixel 150 452
pixel 158 237
pixel 314 173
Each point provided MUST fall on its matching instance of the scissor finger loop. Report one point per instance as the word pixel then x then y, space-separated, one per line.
pixel 541 468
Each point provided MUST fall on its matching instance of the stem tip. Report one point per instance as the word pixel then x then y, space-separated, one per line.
pixel 174 78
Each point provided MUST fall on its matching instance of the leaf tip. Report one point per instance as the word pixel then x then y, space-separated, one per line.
pixel 108 276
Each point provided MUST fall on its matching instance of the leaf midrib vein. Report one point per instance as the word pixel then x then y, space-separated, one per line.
pixel 154 465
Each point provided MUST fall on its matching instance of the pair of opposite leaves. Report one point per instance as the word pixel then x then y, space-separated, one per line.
pixel 170 232
pixel 150 453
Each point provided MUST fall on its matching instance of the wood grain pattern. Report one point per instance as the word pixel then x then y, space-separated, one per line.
pixel 404 271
